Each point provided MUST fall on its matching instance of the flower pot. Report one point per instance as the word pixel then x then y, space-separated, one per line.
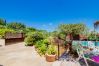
pixel 50 58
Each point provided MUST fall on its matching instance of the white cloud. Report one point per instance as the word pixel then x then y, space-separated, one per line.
pixel 50 24
pixel 43 25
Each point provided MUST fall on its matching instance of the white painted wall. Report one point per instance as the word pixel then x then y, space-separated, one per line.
pixel 2 42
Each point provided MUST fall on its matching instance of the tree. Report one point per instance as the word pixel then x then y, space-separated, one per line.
pixel 44 32
pixel 30 29
pixel 58 34
pixel 16 26
pixel 72 29
pixel 2 22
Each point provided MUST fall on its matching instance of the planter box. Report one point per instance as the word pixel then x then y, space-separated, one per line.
pixel 50 58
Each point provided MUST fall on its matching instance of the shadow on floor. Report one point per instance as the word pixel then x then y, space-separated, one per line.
pixel 1 65
pixel 90 63
pixel 14 41
pixel 64 56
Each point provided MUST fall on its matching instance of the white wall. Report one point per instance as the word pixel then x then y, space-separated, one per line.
pixel 2 42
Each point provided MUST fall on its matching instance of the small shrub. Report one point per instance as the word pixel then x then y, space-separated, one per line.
pixel 42 49
pixel 29 41
pixel 51 50
pixel 33 37
pixel 38 44
pixel 3 31
pixel 42 46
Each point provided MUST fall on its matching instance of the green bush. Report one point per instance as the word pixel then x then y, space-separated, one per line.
pixel 36 35
pixel 92 36
pixel 2 26
pixel 38 44
pixel 16 26
pixel 41 47
pixel 30 29
pixel 3 31
pixel 33 37
pixel 51 50
pixel 29 41
pixel 46 41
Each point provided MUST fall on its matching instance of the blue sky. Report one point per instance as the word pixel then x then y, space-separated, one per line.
pixel 48 14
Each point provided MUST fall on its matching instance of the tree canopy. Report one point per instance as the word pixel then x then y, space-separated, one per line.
pixel 2 22
pixel 73 29
pixel 16 26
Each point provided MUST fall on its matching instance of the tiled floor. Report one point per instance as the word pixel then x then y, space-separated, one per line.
pixel 19 55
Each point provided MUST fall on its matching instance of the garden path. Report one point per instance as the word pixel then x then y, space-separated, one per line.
pixel 20 55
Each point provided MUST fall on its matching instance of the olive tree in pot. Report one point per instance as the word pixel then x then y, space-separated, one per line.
pixel 51 53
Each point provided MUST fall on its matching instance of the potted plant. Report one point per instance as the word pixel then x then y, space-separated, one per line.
pixel 51 53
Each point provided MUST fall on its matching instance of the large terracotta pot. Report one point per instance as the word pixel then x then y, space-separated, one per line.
pixel 50 58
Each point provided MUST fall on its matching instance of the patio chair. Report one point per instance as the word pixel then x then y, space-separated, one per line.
pixel 81 54
pixel 94 46
pixel 91 44
pixel 94 59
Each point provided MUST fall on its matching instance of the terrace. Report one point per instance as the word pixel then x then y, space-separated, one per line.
pixel 63 47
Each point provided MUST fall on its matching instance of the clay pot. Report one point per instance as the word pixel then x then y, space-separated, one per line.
pixel 50 58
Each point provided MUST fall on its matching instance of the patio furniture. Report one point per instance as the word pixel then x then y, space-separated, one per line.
pixel 81 54
pixel 88 55
pixel 84 43
pixel 97 43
